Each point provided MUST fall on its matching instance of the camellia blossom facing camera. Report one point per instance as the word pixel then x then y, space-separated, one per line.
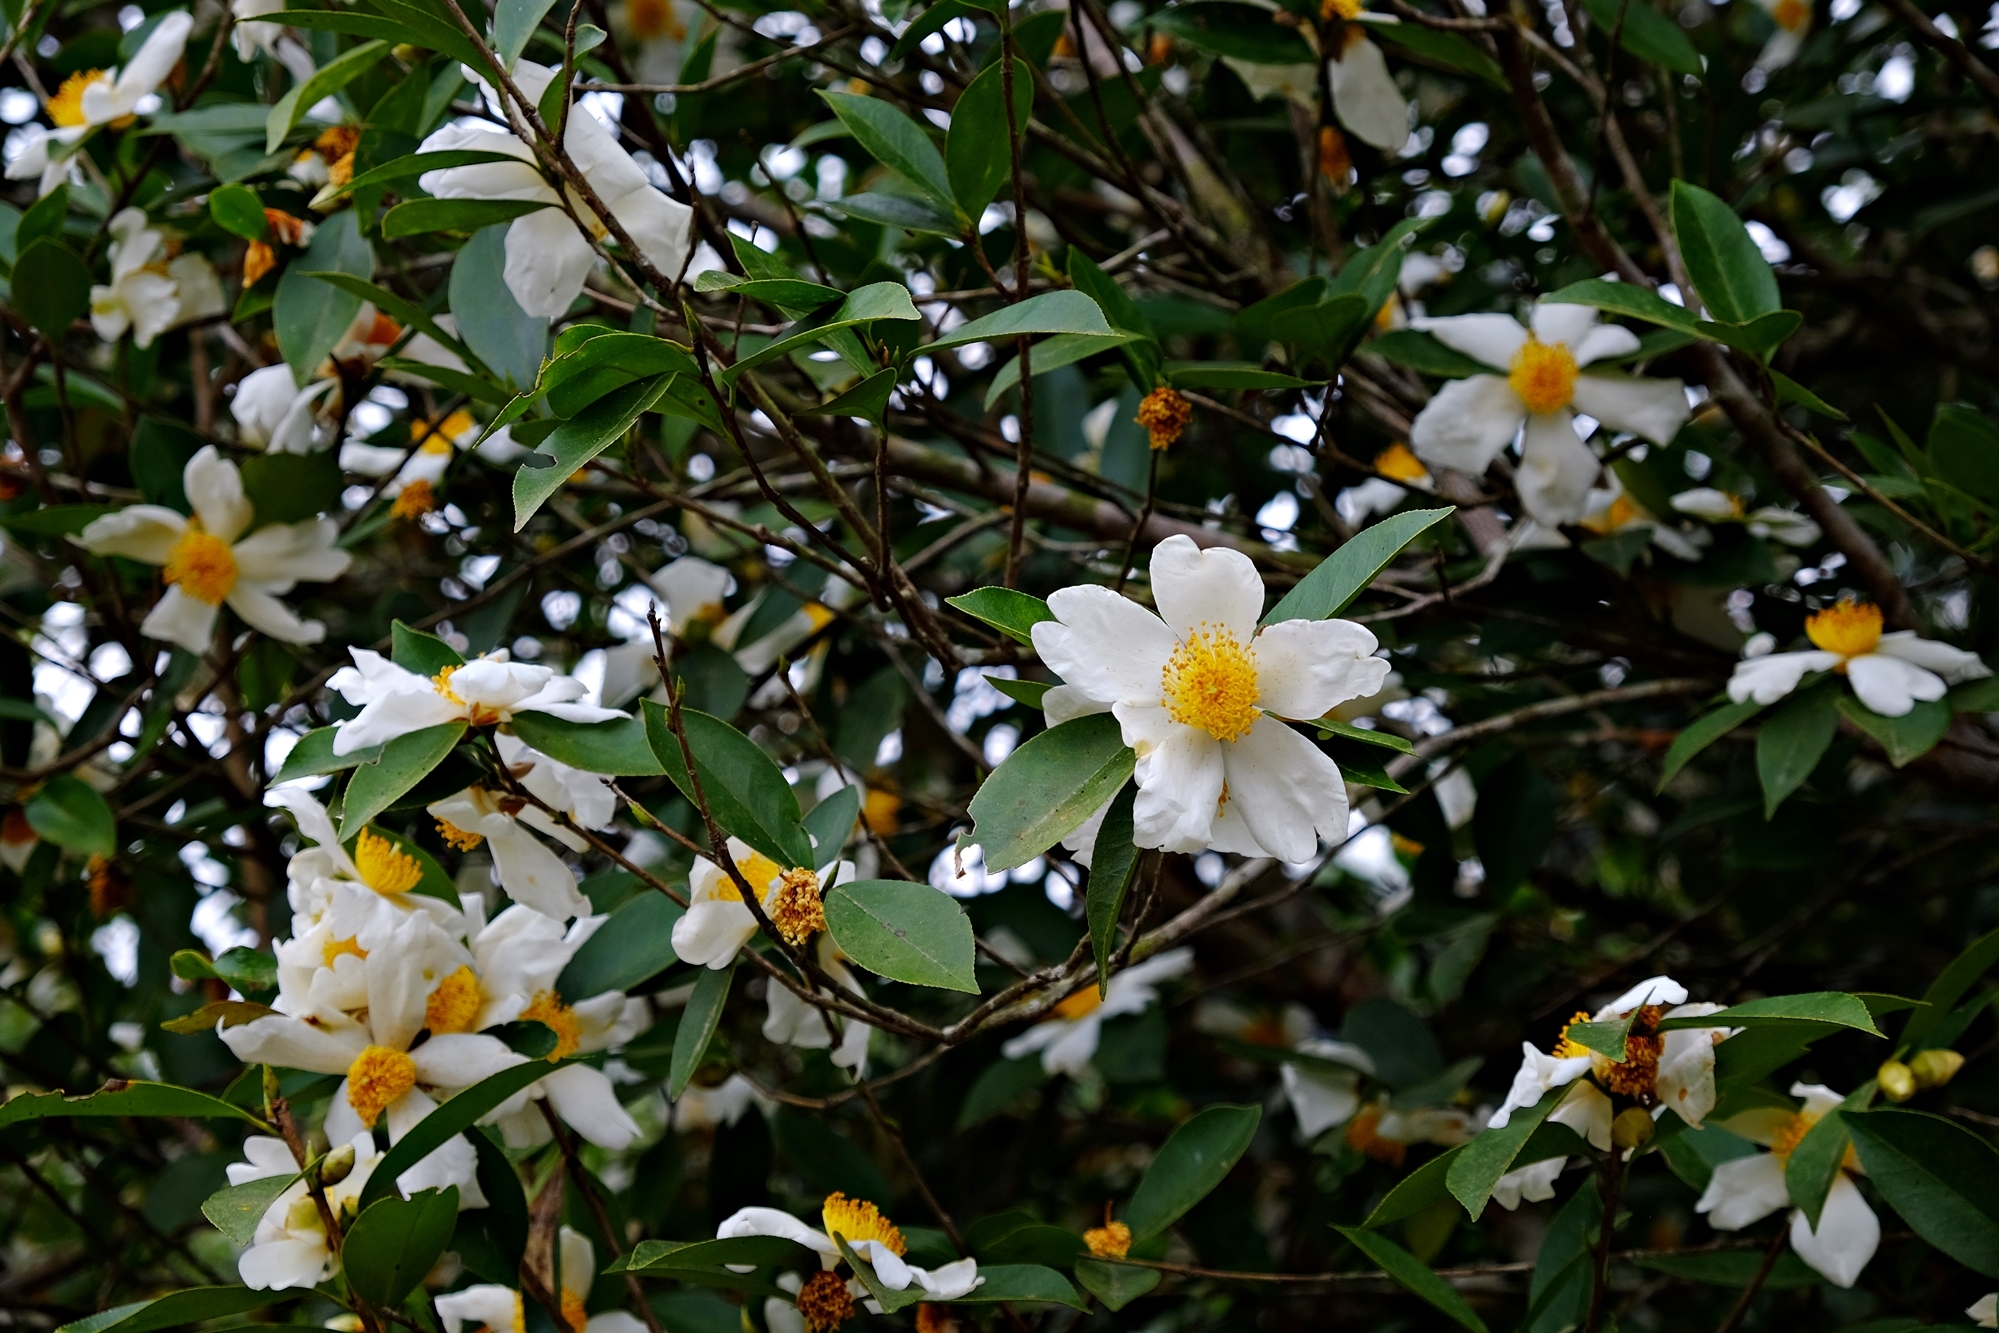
pixel 484 692
pixel 1890 673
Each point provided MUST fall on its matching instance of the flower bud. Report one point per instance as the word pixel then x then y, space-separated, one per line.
pixel 1935 1068
pixel 333 1167
pixel 1897 1080
pixel 1632 1129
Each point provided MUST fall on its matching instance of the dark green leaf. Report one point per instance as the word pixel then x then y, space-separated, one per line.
pixel 1421 352
pixel 69 813
pixel 453 1116
pixel 1022 1282
pixel 1835 1007
pixel 414 217
pixel 1942 1178
pixel 999 1086
pixel 1809 1171
pixel 977 156
pixel 895 140
pixel 492 323
pixel 1116 1285
pixel 746 790
pixel 51 286
pixel 1791 743
pixel 238 211
pixel 329 79
pixel 577 441
pixel 905 932
pixel 1195 1158
pixel 1701 733
pixel 1414 1274
pixel 1342 576
pixel 697 1026
pixel 1647 34
pixel 831 821
pixel 1387 740
pixel 1242 32
pixel 291 488
pixel 617 748
pixel 412 165
pixel 1735 1269
pixel 1224 375
pixel 1728 269
pixel 1048 787
pixel 1014 614
pixel 1113 860
pixel 175 1310
pixel 307 317
pixel 1964 450
pixel 1949 987
pixel 1422 1188
pixel 237 1210
pixel 394 1242
pixel 1478 1167
pixel 1905 738
pixel 1050 312
pixel 405 761
pixel 135 1099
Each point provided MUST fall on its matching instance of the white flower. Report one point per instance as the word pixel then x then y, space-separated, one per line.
pixel 148 293
pixel 206 564
pixel 395 701
pixel 338 900
pixel 427 464
pixel 1794 22
pixel 548 258
pixel 718 923
pixel 691 592
pixel 94 97
pixel 1533 1184
pixel 1889 672
pixel 1322 1098
pixel 868 1234
pixel 1748 1189
pixel 374 1049
pixel 529 872
pixel 1771 521
pixel 1984 1311
pixel 790 1021
pixel 1199 692
pixel 1540 386
pixel 1067 1038
pixel 290 1249
pixel 709 1108
pixel 1365 97
pixel 1356 504
pixel 499 1307
pixel 274 414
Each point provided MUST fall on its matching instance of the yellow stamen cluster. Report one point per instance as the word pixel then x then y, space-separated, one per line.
pixel 1851 629
pixel 458 837
pixel 756 868
pixel 1400 462
pixel 1571 1050
pixel 1112 1240
pixel 441 682
pixel 824 1302
pixel 202 564
pixel 1080 1005
pixel 1621 512
pixel 1544 375
pixel 881 811
pixel 1340 9
pixel 1210 683
pixel 440 438
pixel 797 911
pixel 66 107
pixel 385 867
pixel 416 499
pixel 547 1008
pixel 857 1220
pixel 378 1078
pixel 1164 414
pixel 338 142
pixel 454 1005
pixel 335 948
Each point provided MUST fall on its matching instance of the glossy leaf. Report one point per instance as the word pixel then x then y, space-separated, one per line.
pixel 1415 1275
pixel 405 761
pixel 1113 861
pixel 50 286
pixel 1342 576
pixel 1701 733
pixel 904 932
pixel 70 813
pixel 1050 312
pixel 1791 743
pixel 634 946
pixel 1478 1167
pixel 745 789
pixel 237 210
pixel 1195 1158
pixel 1116 1285
pixel 237 1210
pixel 1941 1177
pixel 134 1099
pixel 1905 738
pixel 977 158
pixel 1048 787
pixel 895 140
pixel 1729 271
pixel 1425 1187
pixel 1835 1007
pixel 454 1116
pixel 1809 1171
pixel 577 441
pixel 308 317
pixel 1647 34
pixel 1012 613
pixel 697 1026
pixel 1024 1283
pixel 329 79
pixel 177 1309
pixel 394 1242
pixel 616 749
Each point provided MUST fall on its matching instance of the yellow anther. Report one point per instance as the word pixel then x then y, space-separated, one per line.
pixel 1210 683
pixel 385 867
pixel 1544 375
pixel 454 1005
pixel 202 564
pixel 377 1079
pixel 1849 628
pixel 858 1220
pixel 547 1008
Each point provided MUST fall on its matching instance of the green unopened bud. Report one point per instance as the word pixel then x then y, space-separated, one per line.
pixel 408 54
pixel 333 1167
pixel 1933 1069
pixel 1632 1129
pixel 1897 1080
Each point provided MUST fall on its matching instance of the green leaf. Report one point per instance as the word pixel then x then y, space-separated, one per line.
pixel 1815 1161
pixel 1964 450
pixel 1327 329
pixel 238 211
pixel 453 1116
pixel 1343 575
pixel 415 650
pixel 1050 312
pixel 617 748
pixel 1792 742
pixel 1448 50
pixel 1014 614
pixel 1647 34
pixel 1048 787
pixel 1022 1282
pixel 634 946
pixel 69 813
pixel 1905 738
pixel 1609 1038
pixel 177 1309
pixel 697 1026
pixel 414 217
pixel 977 156
pixel 307 318
pixel 1480 1164
pixel 666 1258
pixel 229 1013
pixel 898 210
pixel 1558 1293
pixel 1241 32
pixel 1790 391
pixel 878 300
pixel 1116 1285
pixel 1734 280
pixel 1736 1269
pixel 291 488
pixel 134 1099
pixel 1701 733
pixel 54 520
pixel 243 968
pixel 1834 1007
pixel 1942 1178
pixel 1758 336
pixel 582 372
pixel 1224 375
pixel 405 761
pixel 934 18
pixel 330 78
pixel 514 21
pixel 412 165
pixel 1386 740
pixel 577 441
pixel 834 818
pixel 1422 1188
pixel 999 1086
pixel 1414 1274
pixel 1421 352
pixel 895 140
pixel 237 1210
pixel 489 319
pixel 51 286
pixel 1949 987
pixel 394 1242
pixel 1195 1158
pixel 1113 860
pixel 905 932
pixel 403 312
pixel 746 790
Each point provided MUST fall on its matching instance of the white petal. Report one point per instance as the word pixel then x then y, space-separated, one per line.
pixel 153 62
pixel 1108 647
pixel 289 552
pixel 391 715
pixel 488 1303
pixel 1890 685
pixel 1847 1236
pixel 1769 678
pixel 1218 588
pixel 179 619
pixel 282 1265
pixel 1706 502
pixel 1493 339
pixel 291 1043
pixel 1556 469
pixel 1558 322
pixel 1587 1111
pixel 1984 1312
pixel 1365 96
pixel 1467 423
pixel 460 1059
pixel 1686 1074
pixel 1305 667
pixel 1604 342
pixel 215 489
pixel 1652 990
pixel 1744 1191
pixel 533 875
pixel 1655 409
pixel 953 1282
pixel 1319 1098
pixel 1288 790
pixel 587 1102
pixel 1064 703
pixel 772 1222
pixel 658 225
pixel 145 533
pixel 1533 1184
pixel 547 262
pixel 1954 664
pixel 712 932
pixel 1179 776
pixel 263 611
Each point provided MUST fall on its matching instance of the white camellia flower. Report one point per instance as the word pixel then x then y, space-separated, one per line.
pixel 548 258
pixel 1365 98
pixel 1529 1184
pixel 718 923
pixel 1794 23
pixel 1200 693
pixel 1356 504
pixel 724 1104
pixel 1608 512
pixel 1540 385
pixel 1067 1038
pixel 1984 1312
pixel 1889 673
pixel 345 903
pixel 94 97
pixel 1748 1189
pixel 395 701
pixel 1324 1090
pixel 150 293
pixel 252 34
pixel 208 560
pixel 1663 1070
pixel 274 414
pixel 384 1070
pixel 427 464
pixel 691 593
pixel 1771 521
pixel 790 1021
pixel 499 1308
pixel 289 1250
pixel 868 1234
pixel 528 870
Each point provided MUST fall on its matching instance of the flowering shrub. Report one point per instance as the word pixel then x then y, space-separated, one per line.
pixel 676 665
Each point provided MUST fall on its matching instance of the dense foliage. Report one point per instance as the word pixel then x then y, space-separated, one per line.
pixel 687 665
